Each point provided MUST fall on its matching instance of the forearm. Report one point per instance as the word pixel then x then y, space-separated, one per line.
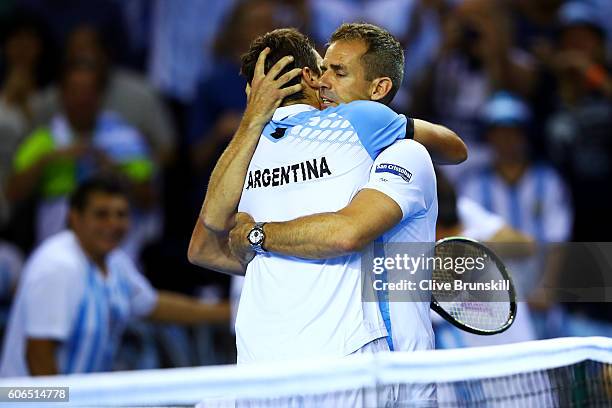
pixel 180 309
pixel 508 235
pixel 444 145
pixel 40 356
pixel 317 236
pixel 512 243
pixel 227 179
pixel 329 235
pixel 210 250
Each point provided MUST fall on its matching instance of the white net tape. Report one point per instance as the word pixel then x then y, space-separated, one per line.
pixel 188 386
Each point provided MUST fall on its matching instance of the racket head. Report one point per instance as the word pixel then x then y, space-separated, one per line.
pixel 461 313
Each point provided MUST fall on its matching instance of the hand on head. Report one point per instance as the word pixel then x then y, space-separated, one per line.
pixel 267 92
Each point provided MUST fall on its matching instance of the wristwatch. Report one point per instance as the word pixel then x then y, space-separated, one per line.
pixel 256 238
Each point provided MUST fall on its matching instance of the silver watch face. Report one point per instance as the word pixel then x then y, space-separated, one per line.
pixel 256 237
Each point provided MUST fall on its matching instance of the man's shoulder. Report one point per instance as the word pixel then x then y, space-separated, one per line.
pixel 357 113
pixel 365 111
pixel 407 150
pixel 58 253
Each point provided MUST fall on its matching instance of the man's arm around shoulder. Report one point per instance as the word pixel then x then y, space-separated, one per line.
pixel 444 145
pixel 370 213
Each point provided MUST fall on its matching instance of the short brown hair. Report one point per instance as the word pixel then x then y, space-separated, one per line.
pixel 282 42
pixel 384 56
pixel 98 183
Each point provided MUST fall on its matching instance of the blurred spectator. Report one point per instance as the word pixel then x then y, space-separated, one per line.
pixel 78 141
pixel 182 43
pixel 63 16
pixel 125 93
pixel 414 23
pixel 580 141
pixel 294 13
pixel 535 25
pixel 421 41
pixel 603 9
pixel 220 99
pixel 26 67
pixel 531 197
pixel 137 15
pixel 393 15
pixel 535 31
pixel 461 216
pixel 79 290
pixel 11 263
pixel 477 57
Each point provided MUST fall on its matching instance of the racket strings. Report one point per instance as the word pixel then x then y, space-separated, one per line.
pixel 486 310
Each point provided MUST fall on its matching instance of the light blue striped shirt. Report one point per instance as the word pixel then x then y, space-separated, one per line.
pixel 538 204
pixel 64 296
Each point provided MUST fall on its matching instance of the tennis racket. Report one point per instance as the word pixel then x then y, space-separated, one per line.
pixel 476 309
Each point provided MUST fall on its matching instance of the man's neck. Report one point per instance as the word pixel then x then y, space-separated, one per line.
pixel 310 98
pixel 98 259
pixel 511 172
pixel 303 101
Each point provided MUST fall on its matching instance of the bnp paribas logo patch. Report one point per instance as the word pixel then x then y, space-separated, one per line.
pixel 394 169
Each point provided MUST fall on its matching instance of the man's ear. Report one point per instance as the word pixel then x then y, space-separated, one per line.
pixel 310 77
pixel 380 88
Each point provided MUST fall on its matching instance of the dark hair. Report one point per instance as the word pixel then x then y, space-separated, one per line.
pixel 96 184
pixel 384 56
pixel 282 42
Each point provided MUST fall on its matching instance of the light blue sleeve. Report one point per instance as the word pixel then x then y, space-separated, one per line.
pixel 405 173
pixel 377 126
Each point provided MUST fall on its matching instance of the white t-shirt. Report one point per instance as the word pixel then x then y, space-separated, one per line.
pixel 405 173
pixel 408 322
pixel 62 295
pixel 308 162
pixel 478 223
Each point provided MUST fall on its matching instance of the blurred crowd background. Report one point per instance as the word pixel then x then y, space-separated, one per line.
pixel 526 83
